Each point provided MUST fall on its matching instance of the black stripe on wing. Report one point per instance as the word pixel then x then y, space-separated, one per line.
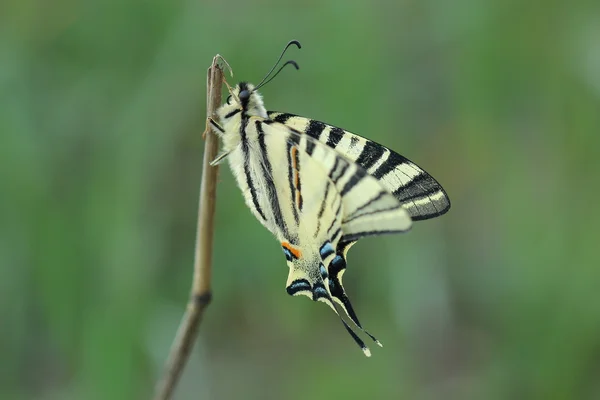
pixel 354 179
pixel 370 154
pixel 270 184
pixel 335 135
pixel 324 202
pixel 352 237
pixel 419 192
pixel 356 212
pixel 282 118
pixel 314 129
pixel 420 189
pixel 391 163
pixel 247 174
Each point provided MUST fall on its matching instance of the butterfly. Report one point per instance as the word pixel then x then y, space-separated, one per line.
pixel 318 189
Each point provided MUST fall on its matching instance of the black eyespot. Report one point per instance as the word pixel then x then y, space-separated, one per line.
pixel 244 95
pixel 229 99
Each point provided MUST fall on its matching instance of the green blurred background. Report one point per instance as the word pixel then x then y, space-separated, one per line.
pixel 102 106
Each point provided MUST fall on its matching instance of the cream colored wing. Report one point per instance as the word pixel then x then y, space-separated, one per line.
pixel 330 203
pixel 366 207
pixel 419 192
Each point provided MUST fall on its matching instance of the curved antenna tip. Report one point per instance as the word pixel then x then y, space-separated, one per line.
pixel 297 43
pixel 266 78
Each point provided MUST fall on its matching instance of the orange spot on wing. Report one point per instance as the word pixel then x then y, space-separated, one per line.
pixel 294 152
pixel 296 252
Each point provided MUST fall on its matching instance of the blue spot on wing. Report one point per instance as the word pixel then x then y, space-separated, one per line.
pixel 288 254
pixel 326 250
pixel 337 260
pixel 298 285
pixel 323 271
pixel 319 291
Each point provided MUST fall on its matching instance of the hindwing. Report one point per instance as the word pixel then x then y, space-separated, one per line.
pixel 330 202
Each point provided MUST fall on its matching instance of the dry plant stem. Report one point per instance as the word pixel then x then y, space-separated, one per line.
pixel 201 288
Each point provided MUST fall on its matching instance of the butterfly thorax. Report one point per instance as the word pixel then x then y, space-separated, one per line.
pixel 247 156
pixel 242 104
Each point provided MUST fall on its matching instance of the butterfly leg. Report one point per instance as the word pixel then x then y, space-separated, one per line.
pixel 214 125
pixel 219 131
pixel 230 89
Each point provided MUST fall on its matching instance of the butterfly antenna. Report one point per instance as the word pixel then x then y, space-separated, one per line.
pixel 297 43
pixel 290 62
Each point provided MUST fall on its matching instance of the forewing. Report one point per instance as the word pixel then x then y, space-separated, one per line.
pixel 366 207
pixel 421 195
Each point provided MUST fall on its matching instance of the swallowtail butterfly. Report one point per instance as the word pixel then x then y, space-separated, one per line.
pixel 318 189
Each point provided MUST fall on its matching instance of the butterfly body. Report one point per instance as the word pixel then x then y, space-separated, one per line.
pixel 318 188
pixel 285 204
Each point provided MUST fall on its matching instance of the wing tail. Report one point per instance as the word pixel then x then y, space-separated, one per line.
pixel 301 283
pixel 337 267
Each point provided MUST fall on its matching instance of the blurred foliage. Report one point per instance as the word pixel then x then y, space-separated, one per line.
pixel 101 114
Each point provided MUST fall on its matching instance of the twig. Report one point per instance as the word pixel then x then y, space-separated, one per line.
pixel 201 294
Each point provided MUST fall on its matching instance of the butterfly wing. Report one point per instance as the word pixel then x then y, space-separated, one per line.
pixel 365 207
pixel 333 202
pixel 421 195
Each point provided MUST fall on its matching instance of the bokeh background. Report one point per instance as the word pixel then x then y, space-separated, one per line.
pixel 102 106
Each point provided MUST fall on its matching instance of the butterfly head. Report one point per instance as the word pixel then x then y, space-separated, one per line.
pixel 245 100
